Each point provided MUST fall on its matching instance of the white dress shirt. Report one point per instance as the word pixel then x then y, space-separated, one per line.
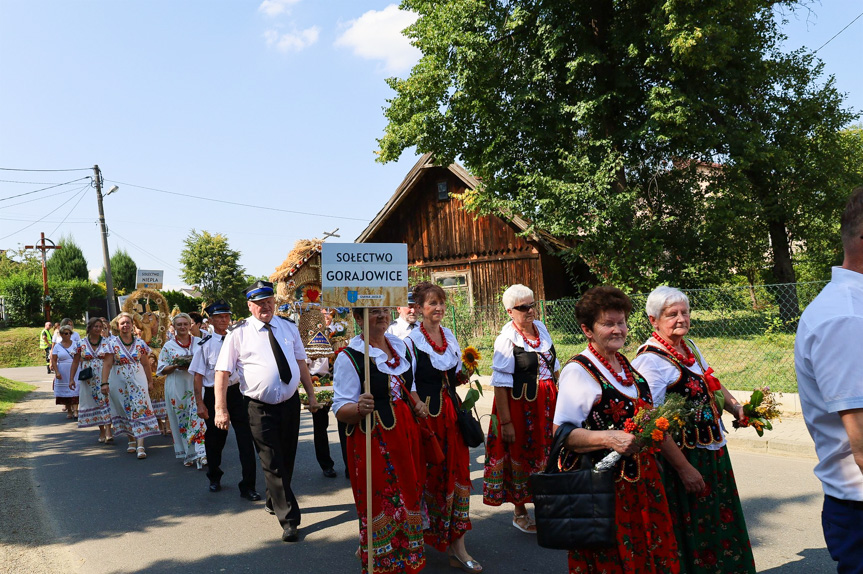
pixel 247 351
pixel 829 380
pixel 204 361
pixel 503 361
pixel 401 328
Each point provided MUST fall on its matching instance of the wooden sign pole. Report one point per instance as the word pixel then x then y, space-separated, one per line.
pixel 369 421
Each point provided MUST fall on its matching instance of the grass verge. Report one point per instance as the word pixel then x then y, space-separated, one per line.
pixel 19 347
pixel 11 392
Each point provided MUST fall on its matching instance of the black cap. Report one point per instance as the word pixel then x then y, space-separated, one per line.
pixel 258 290
pixel 411 298
pixel 218 308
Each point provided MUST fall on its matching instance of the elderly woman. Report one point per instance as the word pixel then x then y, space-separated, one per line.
pixel 447 485
pixel 62 358
pixel 599 391
pixel 93 403
pixel 126 372
pixel 397 465
pixel 524 369
pixel 187 428
pixel 699 482
pixel 66 322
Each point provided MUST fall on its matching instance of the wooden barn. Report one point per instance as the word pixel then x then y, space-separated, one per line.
pixel 480 256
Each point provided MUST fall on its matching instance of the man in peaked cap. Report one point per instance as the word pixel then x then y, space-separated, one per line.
pixel 407 320
pixel 268 352
pixel 203 367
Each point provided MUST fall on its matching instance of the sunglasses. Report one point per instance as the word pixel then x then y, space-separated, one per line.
pixel 526 307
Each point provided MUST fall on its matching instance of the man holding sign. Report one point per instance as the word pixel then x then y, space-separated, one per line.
pixel 268 353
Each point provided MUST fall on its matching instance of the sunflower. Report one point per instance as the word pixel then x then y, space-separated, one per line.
pixel 470 358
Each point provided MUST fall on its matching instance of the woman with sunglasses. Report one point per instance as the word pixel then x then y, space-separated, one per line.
pixel 62 357
pixel 524 374
pixel 94 409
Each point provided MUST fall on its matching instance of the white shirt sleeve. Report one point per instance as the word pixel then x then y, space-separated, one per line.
pixel 502 363
pixel 227 360
pixel 838 376
pixel 577 394
pixel 199 361
pixel 346 382
pixel 658 372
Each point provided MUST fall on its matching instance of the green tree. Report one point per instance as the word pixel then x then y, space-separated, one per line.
pixel 651 131
pixel 214 267
pixel 21 261
pixel 67 263
pixel 124 271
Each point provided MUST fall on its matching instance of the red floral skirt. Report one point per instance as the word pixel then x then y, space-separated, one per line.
pixel 447 485
pixel 645 538
pixel 508 465
pixel 397 479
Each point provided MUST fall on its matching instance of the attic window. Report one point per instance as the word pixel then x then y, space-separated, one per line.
pixel 456 284
pixel 443 190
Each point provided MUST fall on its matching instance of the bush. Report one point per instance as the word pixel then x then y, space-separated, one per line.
pixel 71 298
pixel 184 302
pixel 23 299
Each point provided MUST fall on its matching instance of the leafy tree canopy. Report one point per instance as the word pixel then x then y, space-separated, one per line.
pixel 123 270
pixel 214 267
pixel 67 263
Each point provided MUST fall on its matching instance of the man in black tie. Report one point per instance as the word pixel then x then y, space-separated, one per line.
pixel 407 320
pixel 267 353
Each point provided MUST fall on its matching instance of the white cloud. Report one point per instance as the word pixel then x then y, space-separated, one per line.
pixel 292 41
pixel 377 35
pixel 275 7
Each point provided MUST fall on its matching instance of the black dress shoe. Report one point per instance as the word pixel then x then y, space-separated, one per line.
pixel 215 487
pixel 347 475
pixel 290 534
pixel 269 510
pixel 250 495
pixel 330 472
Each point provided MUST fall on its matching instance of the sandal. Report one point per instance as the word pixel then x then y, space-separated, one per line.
pixel 130 447
pixel 524 523
pixel 101 439
pixel 142 454
pixel 109 440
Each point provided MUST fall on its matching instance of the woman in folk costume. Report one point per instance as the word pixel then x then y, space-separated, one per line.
pixel 524 368
pixel 126 369
pixel 447 485
pixel 62 359
pixel 187 428
pixel 398 467
pixel 93 409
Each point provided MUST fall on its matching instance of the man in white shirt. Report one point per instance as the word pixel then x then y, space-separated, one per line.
pixel 203 367
pixel 269 355
pixel 830 382
pixel 407 320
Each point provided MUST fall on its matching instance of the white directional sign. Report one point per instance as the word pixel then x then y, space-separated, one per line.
pixel 149 279
pixel 364 274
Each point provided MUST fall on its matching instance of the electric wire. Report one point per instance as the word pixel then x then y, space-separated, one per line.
pixel 839 32
pixel 30 182
pixel 68 213
pixel 43 189
pixel 268 208
pixel 82 192
pixel 21 169
pixel 38 198
pixel 139 248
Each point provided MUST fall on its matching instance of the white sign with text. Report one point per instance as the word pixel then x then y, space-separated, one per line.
pixel 364 274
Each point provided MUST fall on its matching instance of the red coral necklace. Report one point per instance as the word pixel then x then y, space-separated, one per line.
pixel 439 349
pixel 627 380
pixel 689 360
pixel 187 345
pixel 531 344
pixel 391 363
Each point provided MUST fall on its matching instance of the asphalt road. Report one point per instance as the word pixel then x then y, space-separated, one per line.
pixel 111 513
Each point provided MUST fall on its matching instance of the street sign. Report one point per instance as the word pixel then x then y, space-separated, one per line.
pixel 149 279
pixel 364 274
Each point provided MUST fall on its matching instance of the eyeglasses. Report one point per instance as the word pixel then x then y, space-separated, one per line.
pixel 525 308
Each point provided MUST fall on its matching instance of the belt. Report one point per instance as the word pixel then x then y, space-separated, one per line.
pixel 853 504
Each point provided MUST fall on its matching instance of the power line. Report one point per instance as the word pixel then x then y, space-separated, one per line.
pixel 69 213
pixel 43 189
pixel 38 198
pixel 30 182
pixel 139 248
pixel 19 169
pixel 268 208
pixel 82 191
pixel 839 32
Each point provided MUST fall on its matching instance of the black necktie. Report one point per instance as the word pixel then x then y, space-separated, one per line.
pixel 281 360
pixel 411 326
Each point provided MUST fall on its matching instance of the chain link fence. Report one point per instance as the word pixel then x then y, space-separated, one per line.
pixel 745 333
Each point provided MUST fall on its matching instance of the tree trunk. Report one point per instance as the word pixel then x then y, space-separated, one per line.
pixel 783 271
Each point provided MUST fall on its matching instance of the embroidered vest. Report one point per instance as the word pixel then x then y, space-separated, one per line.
pixel 705 429
pixel 432 384
pixel 380 388
pixel 525 377
pixel 612 410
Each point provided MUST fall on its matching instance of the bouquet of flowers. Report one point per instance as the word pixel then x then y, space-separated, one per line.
pixel 182 360
pixel 650 425
pixel 469 367
pixel 759 411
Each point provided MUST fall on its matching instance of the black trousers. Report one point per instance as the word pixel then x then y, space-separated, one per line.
pixel 343 441
pixel 320 422
pixel 276 429
pixel 215 438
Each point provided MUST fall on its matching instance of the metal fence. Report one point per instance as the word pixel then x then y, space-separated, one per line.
pixel 745 333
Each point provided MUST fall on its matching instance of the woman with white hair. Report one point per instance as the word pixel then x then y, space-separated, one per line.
pixel 187 428
pixel 699 481
pixel 524 375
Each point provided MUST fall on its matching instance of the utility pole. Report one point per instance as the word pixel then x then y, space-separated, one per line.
pixel 109 280
pixel 41 246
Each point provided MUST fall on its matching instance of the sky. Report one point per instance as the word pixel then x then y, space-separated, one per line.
pixel 274 105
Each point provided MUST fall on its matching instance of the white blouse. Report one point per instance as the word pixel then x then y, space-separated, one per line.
pixel 346 380
pixel 503 361
pixel 442 362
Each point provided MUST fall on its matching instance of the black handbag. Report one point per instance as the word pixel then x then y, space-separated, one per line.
pixel 471 430
pixel 85 374
pixel 574 509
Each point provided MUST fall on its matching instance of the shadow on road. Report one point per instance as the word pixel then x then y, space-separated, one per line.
pixel 813 560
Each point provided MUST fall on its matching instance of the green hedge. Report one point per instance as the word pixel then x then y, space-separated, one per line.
pixel 23 299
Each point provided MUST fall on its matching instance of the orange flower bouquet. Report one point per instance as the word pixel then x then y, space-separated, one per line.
pixel 759 411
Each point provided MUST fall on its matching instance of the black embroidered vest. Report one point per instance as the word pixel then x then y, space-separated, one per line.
pixel 432 383
pixel 705 429
pixel 525 377
pixel 380 388
pixel 612 410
